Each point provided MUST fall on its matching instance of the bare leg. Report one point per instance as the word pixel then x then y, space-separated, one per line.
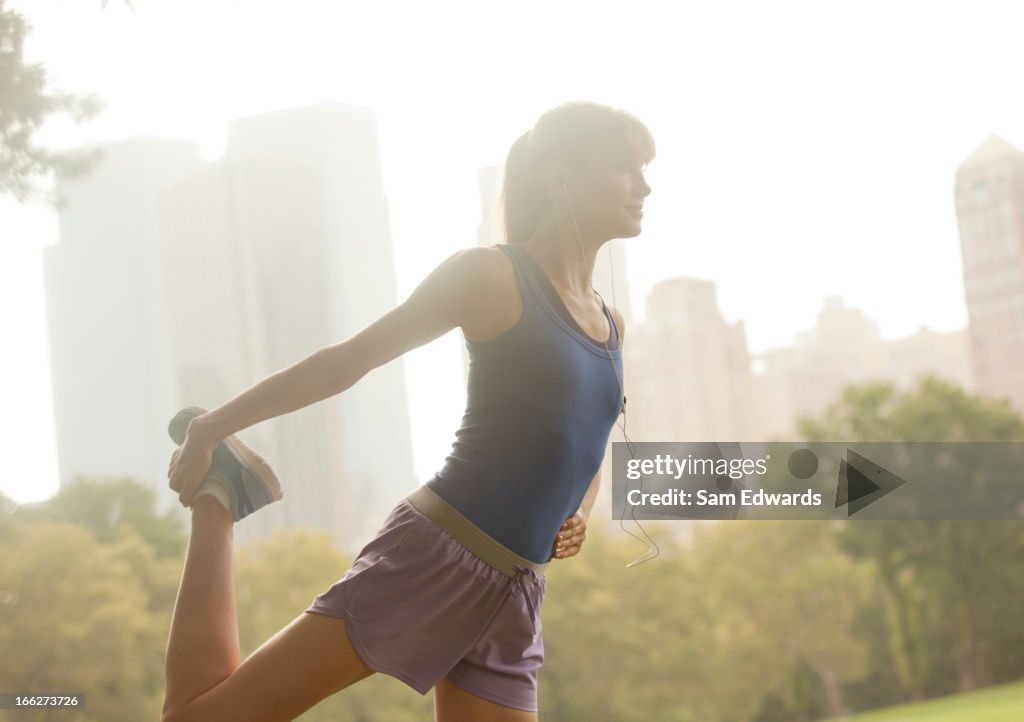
pixel 454 704
pixel 308 660
pixel 203 647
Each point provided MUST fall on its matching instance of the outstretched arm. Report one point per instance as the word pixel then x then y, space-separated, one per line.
pixel 453 294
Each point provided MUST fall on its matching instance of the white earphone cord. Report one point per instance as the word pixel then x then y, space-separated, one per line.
pixel 646 556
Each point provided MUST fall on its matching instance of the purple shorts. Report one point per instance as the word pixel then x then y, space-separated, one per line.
pixel 433 595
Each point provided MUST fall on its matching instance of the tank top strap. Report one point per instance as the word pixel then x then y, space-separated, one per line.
pixel 555 307
pixel 611 322
pixel 528 289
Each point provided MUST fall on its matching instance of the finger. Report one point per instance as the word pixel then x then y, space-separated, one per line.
pixel 568 552
pixel 567 543
pixel 180 484
pixel 186 496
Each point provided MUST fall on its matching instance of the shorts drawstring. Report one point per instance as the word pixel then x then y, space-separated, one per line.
pixel 530 603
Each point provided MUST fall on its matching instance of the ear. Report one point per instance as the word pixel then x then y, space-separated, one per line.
pixel 556 174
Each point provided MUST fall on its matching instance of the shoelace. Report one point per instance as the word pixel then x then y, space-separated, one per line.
pixel 518 579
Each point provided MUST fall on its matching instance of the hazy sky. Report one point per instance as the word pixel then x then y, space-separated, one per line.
pixel 804 148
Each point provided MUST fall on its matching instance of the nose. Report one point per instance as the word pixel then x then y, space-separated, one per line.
pixel 643 189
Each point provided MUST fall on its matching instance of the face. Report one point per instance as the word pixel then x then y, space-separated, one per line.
pixel 612 191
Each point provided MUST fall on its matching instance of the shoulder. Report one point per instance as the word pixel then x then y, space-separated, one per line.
pixel 491 301
pixel 476 270
pixel 485 261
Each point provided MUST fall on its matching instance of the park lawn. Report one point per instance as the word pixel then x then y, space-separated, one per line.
pixel 1004 703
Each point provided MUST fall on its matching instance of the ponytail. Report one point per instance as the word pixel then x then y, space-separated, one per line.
pixel 523 200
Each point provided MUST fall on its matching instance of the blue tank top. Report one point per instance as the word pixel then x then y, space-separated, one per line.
pixel 541 401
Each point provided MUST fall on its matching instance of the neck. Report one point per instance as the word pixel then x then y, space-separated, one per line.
pixel 568 261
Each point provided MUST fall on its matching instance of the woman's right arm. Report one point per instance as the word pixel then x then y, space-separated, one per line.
pixel 453 294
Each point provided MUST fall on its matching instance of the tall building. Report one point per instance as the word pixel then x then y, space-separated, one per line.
pixel 688 370
pixel 989 196
pixel 946 355
pixel 292 233
pixel 107 309
pixel 843 348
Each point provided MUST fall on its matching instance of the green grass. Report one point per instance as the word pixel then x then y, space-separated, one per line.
pixel 1004 703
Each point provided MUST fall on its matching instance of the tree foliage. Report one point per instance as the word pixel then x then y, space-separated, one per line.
pixel 948 586
pixel 26 102
pixel 76 618
pixel 738 621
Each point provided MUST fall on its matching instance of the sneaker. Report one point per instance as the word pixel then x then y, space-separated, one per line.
pixel 249 481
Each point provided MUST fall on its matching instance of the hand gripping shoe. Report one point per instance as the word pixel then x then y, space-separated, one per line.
pixel 249 481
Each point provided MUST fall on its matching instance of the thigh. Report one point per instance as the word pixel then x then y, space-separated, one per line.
pixel 305 662
pixel 454 704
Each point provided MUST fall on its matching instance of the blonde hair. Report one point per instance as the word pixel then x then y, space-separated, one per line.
pixel 568 133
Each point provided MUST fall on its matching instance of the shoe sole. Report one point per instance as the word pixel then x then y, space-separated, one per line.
pixel 252 475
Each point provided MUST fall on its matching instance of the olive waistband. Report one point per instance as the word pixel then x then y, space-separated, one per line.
pixel 473 537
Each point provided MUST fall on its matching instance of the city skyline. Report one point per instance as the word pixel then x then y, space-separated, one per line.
pixel 838 193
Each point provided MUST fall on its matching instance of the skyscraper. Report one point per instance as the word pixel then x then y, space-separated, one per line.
pixel 107 314
pixel 989 196
pixel 688 369
pixel 293 230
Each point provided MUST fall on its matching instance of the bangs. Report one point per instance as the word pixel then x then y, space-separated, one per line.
pixel 638 143
pixel 628 141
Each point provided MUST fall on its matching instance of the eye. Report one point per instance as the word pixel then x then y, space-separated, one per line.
pixel 628 166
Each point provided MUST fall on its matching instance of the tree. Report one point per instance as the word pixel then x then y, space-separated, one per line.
pixel 105 505
pixel 789 600
pixel 76 619
pixel 26 102
pixel 951 586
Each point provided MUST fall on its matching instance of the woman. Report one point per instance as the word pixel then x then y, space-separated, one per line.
pixel 447 595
